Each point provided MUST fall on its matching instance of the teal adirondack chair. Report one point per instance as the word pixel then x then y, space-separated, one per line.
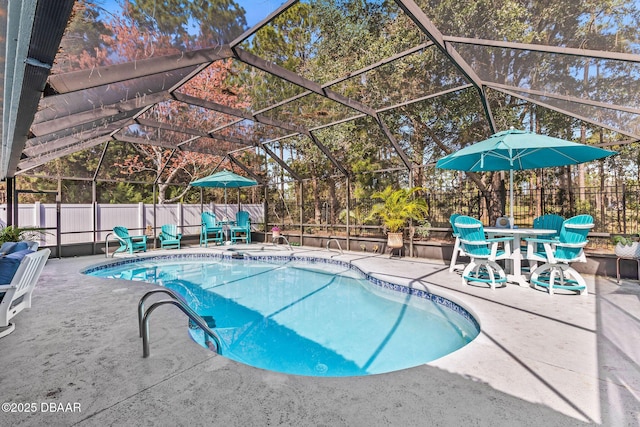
pixel 210 231
pixel 169 236
pixel 556 273
pixel 457 247
pixel 242 229
pixel 482 251
pixel 129 243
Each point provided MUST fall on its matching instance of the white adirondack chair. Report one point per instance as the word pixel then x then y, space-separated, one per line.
pixel 16 296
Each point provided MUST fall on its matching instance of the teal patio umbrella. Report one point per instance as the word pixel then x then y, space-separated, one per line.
pixel 224 179
pixel 519 150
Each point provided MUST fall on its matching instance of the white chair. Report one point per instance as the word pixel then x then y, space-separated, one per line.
pixel 16 296
pixel 483 252
pixel 457 246
pixel 558 253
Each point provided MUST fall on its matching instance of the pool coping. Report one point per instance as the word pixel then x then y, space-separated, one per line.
pixel 539 360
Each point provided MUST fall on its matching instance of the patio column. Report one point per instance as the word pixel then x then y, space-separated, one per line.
pixel 265 212
pixel 348 192
pixel 12 206
pixel 94 214
pixel 301 211
pixel 140 216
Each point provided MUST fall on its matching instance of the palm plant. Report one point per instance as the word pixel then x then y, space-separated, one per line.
pixel 398 207
pixel 11 233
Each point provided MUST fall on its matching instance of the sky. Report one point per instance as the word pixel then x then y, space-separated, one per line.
pixel 255 10
pixel 258 9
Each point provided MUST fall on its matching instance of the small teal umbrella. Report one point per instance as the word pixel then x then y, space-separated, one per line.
pixel 224 179
pixel 519 150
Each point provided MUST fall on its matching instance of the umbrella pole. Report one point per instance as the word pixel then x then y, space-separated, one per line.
pixel 226 210
pixel 511 198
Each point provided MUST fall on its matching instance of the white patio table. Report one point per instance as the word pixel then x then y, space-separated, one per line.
pixel 514 266
pixel 226 226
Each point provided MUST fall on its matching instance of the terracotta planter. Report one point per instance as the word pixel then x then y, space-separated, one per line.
pixel 394 240
pixel 628 251
pixel 275 234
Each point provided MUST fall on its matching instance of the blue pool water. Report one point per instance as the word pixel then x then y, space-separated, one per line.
pixel 308 317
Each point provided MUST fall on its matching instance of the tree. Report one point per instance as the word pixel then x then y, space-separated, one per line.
pixel 198 22
pixel 87 42
pixel 146 29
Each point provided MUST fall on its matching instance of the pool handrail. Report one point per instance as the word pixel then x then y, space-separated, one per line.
pixel 143 318
pixel 274 240
pixel 337 242
pixel 106 245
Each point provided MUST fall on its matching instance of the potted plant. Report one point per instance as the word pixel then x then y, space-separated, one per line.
pixel 627 246
pixel 275 232
pixel 11 233
pixel 396 208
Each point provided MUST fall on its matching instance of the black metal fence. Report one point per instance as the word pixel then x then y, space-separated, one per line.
pixel 615 209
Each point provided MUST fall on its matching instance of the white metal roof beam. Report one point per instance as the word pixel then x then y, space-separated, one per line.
pixel 571 99
pixel 214 106
pixel 110 113
pixel 296 79
pixel 283 8
pixel 322 91
pixel 589 53
pixel 100 76
pixel 170 127
pixel 232 140
pixel 97 113
pixel 109 124
pixel 34 31
pixel 380 63
pixel 327 153
pixel 568 113
pixel 281 162
pixel 28 164
pixel 36 150
pixel 144 141
pixel 349 76
pixel 426 26
pixel 245 168
pixel 403 156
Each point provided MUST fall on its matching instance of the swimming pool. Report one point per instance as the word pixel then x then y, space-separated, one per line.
pixel 306 316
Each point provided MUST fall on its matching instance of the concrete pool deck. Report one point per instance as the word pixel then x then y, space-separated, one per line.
pixel 540 360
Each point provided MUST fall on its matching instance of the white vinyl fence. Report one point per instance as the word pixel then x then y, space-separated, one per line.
pixel 79 222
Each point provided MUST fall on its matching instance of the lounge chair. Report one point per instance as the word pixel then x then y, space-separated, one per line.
pixel 483 253
pixel 129 243
pixel 242 229
pixel 16 295
pixel 556 272
pixel 457 247
pixel 169 236
pixel 210 230
pixel 11 247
